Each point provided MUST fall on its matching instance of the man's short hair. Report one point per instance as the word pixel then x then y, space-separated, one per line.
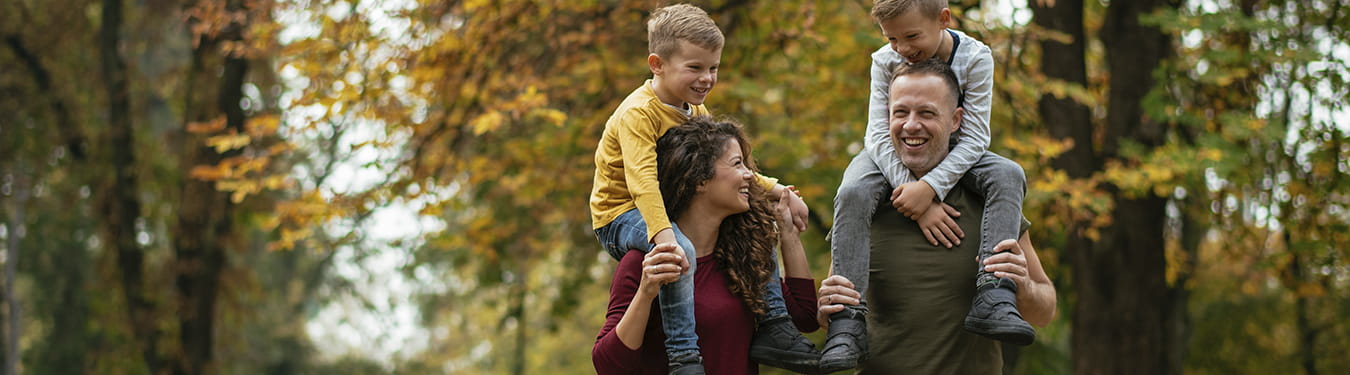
pixel 884 10
pixel 935 67
pixel 670 24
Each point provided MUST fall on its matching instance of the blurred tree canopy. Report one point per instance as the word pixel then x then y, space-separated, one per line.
pixel 190 186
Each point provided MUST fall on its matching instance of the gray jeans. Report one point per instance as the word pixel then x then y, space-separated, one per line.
pixel 1001 182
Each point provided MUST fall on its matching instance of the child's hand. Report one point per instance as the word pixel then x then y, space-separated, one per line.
pixel 937 225
pixel 799 209
pixel 913 199
pixel 786 222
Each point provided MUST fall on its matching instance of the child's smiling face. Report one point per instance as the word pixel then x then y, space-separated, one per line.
pixel 914 35
pixel 688 75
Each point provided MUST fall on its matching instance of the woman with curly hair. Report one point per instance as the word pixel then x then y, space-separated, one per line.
pixel 706 178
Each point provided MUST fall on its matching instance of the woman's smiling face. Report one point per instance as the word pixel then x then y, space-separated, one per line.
pixel 729 187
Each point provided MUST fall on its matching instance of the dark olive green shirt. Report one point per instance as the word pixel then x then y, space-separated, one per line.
pixel 919 295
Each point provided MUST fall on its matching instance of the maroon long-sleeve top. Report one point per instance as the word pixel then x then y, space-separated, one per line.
pixel 725 325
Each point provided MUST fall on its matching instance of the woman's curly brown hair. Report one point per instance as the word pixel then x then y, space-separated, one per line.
pixel 745 241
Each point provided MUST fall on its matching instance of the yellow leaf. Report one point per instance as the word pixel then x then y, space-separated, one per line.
pixel 487 122
pixel 275 182
pixel 209 172
pixel 228 142
pixel 263 125
pixel 1211 154
pixel 530 98
pixel 553 116
pixel 206 126
pixel 1256 123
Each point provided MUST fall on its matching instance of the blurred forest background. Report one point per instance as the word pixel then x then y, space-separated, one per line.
pixel 369 187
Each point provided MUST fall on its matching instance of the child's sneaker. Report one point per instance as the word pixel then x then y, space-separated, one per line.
pixel 993 314
pixel 778 343
pixel 687 365
pixel 846 344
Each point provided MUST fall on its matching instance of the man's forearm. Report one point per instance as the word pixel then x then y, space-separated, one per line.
pixel 1037 302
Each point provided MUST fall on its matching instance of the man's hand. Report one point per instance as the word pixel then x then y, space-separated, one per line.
pixel 1008 261
pixel 835 292
pixel 913 199
pixel 938 225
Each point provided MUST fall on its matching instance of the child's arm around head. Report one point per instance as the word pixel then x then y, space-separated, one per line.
pixel 974 67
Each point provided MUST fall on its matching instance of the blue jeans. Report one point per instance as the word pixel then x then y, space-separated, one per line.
pixel 629 232
pixel 998 180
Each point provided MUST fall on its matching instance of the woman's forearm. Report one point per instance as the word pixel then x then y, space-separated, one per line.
pixel 633 326
pixel 794 255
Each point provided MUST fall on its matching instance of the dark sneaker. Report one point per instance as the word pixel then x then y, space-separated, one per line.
pixel 687 365
pixel 777 343
pixel 993 314
pixel 846 344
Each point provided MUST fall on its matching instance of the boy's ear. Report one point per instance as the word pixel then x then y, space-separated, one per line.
pixel 945 18
pixel 654 62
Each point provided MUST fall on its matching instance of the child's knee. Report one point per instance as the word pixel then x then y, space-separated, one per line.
pixel 854 193
pixel 1007 172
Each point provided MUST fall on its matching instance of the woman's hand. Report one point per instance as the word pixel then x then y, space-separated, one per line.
pixel 835 292
pixel 661 266
pixel 790 235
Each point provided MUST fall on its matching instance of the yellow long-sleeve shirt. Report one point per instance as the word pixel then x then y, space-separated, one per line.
pixel 625 160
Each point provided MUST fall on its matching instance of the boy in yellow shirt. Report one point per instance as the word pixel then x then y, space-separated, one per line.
pixel 627 210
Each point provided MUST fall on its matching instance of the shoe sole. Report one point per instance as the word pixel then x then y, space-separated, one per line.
pixel 1020 335
pixel 788 360
pixel 828 367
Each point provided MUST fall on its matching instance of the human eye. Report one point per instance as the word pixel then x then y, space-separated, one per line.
pixel 912 36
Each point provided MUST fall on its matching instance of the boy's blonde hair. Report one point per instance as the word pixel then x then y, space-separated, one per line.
pixel 671 24
pixel 884 10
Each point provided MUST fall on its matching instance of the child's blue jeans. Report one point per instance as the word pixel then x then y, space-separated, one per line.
pixel 629 232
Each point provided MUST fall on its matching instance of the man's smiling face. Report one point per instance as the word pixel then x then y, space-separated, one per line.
pixel 923 117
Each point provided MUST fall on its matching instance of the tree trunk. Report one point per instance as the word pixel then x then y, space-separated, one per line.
pixel 518 366
pixel 70 133
pixel 1307 334
pixel 1120 321
pixel 204 229
pixel 1064 117
pixel 121 207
